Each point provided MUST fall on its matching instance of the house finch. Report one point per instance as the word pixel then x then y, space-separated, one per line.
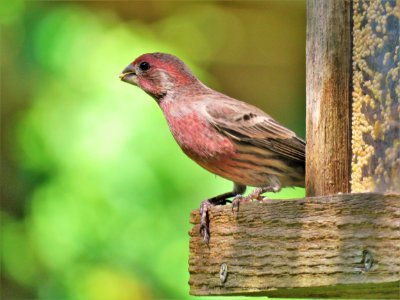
pixel 227 137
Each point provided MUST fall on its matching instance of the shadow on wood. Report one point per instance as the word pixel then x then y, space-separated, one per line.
pixel 297 248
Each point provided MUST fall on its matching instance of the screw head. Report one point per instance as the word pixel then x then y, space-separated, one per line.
pixel 223 272
pixel 368 260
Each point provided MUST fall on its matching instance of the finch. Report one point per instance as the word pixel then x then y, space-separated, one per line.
pixel 228 137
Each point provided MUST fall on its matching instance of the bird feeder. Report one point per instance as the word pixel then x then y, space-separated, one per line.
pixel 343 239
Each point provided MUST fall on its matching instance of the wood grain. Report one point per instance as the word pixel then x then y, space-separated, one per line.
pixel 328 77
pixel 299 247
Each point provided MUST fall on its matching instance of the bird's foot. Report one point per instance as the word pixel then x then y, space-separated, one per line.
pixel 204 220
pixel 254 195
pixel 236 202
pixel 217 200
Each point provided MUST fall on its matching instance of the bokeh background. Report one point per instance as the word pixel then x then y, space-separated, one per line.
pixel 95 194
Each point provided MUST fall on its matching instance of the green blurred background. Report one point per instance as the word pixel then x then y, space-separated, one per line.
pixel 95 194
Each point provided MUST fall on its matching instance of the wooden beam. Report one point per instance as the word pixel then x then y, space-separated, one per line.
pixel 336 246
pixel 328 64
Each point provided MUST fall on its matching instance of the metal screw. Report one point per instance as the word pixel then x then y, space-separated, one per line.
pixel 223 272
pixel 368 260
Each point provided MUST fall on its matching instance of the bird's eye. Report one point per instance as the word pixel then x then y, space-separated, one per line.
pixel 144 66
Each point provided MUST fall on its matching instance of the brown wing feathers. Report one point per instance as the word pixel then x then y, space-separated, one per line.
pixel 257 128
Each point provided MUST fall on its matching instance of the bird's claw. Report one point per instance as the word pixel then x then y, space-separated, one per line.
pixel 205 232
pixel 254 195
pixel 204 220
pixel 236 202
pixel 222 200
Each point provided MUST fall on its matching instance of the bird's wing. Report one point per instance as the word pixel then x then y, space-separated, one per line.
pixel 245 123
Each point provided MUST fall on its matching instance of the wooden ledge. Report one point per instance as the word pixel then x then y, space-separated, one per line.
pixel 333 246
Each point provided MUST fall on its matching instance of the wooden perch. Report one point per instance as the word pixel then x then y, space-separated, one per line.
pixel 321 246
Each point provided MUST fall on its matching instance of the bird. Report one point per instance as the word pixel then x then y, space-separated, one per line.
pixel 227 137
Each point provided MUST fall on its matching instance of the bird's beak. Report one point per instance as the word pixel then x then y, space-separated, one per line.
pixel 128 75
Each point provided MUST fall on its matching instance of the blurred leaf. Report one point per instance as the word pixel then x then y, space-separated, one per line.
pixel 10 11
pixel 18 252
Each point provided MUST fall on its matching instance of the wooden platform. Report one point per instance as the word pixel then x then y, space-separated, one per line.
pixel 342 246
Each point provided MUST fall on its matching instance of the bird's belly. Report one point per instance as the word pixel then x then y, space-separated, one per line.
pixel 255 171
pixel 242 173
pixel 226 168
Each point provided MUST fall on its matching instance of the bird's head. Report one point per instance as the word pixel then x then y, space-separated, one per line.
pixel 158 74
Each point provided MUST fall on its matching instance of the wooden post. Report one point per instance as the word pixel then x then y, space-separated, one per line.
pixel 328 60
pixel 331 245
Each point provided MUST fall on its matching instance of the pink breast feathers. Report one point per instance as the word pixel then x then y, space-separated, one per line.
pixel 198 138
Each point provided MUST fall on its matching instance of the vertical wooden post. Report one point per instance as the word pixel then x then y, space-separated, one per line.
pixel 328 61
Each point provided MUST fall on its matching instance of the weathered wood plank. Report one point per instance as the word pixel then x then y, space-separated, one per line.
pixel 298 247
pixel 328 61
